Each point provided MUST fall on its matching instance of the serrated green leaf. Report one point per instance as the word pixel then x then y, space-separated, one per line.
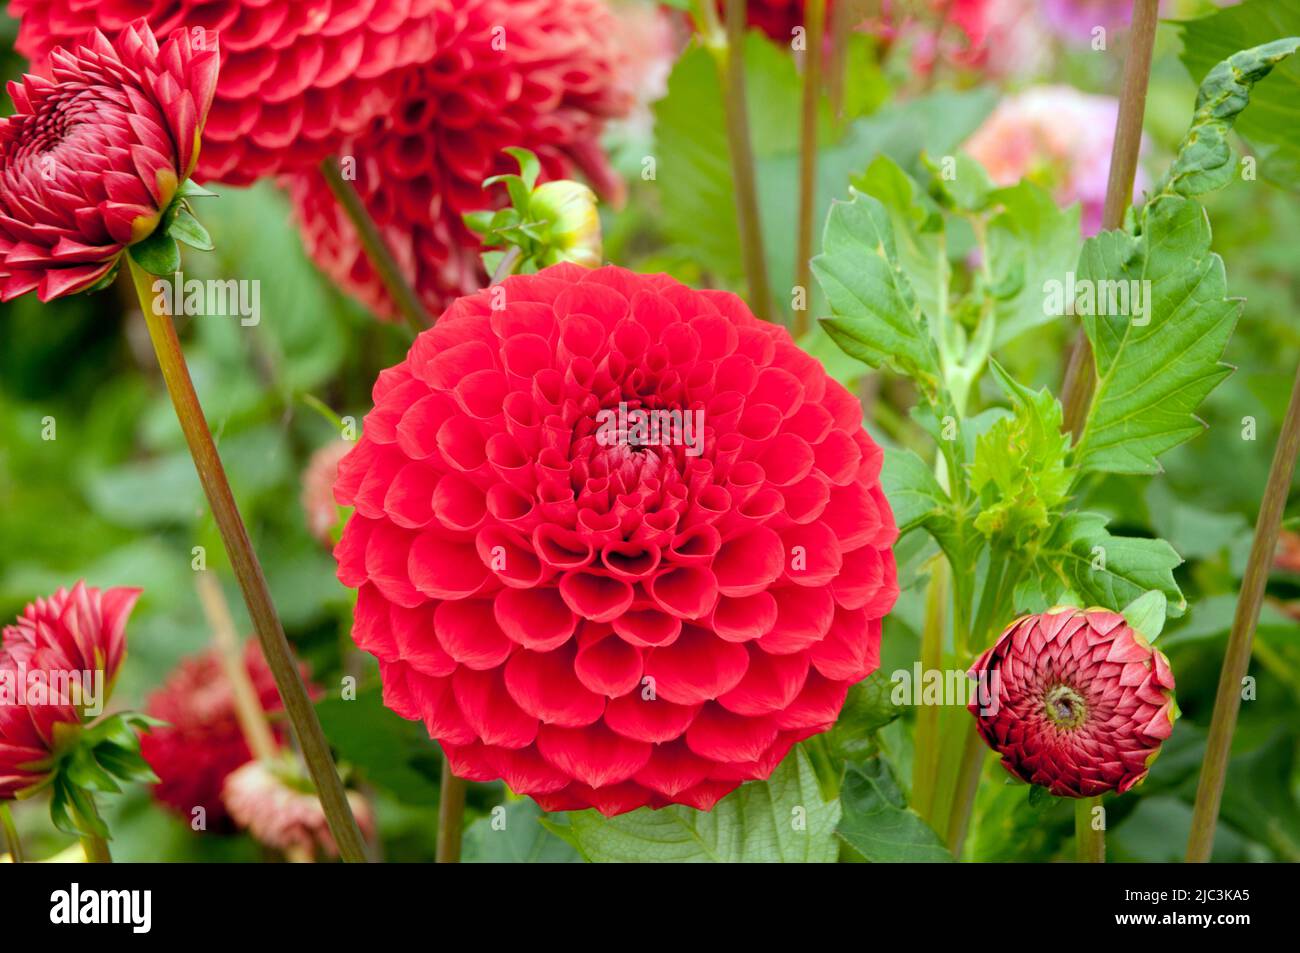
pixel 1274 114
pixel 1019 465
pixel 784 819
pixel 1154 370
pixel 1081 558
pixel 877 823
pixel 158 254
pixel 877 318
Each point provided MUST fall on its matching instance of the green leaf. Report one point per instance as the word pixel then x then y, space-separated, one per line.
pixel 1270 124
pixel 868 708
pixel 784 819
pixel 192 190
pixel 1082 559
pixel 910 486
pixel 513 834
pixel 1154 370
pixel 158 254
pixel 876 315
pixel 186 228
pixel 529 167
pixel 1019 464
pixel 1146 614
pixel 877 823
pixel 394 754
pixel 83 771
pixel 1030 242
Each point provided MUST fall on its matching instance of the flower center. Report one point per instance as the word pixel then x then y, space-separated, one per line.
pixel 1065 707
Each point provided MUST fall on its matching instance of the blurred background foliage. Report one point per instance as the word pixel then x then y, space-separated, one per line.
pixel 114 498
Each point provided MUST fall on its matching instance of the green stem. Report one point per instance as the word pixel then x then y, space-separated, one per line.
pixel 815 17
pixel 1076 392
pixel 381 258
pixel 248 571
pixel 730 58
pixel 1236 659
pixel 965 788
pixel 451 811
pixel 1090 842
pixel 925 764
pixel 94 844
pixel 11 833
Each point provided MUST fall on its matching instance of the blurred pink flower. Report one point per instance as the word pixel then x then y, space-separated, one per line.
pixel 1058 137
pixel 280 810
pixel 318 489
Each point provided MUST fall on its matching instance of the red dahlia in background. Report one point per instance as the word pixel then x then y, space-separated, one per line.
pixel 541 74
pixel 202 742
pixel 1079 702
pixel 603 612
pixel 93 155
pixel 66 635
pixel 296 75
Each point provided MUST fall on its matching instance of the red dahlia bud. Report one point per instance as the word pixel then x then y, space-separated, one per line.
pixel 93 156
pixel 1075 700
pixel 58 662
pixel 616 541
pixel 202 742
pixel 537 74
pixel 296 76
pixel 276 804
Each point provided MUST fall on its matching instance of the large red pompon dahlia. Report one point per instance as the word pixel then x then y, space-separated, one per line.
pixel 202 742
pixel 296 77
pixel 1075 700
pixel 540 74
pixel 93 155
pixel 58 663
pixel 616 541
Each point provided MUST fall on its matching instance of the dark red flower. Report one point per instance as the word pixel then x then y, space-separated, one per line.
pixel 603 613
pixel 541 74
pixel 93 155
pixel 202 742
pixel 777 18
pixel 296 75
pixel 77 636
pixel 1077 701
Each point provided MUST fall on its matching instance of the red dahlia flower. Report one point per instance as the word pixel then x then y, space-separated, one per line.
pixel 93 156
pixel 602 607
pixel 777 18
pixel 77 636
pixel 540 74
pixel 1078 701
pixel 202 742
pixel 296 75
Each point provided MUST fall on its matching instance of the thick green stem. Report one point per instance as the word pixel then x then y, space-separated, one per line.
pixel 248 571
pixel 1236 659
pixel 12 841
pixel 381 258
pixel 925 764
pixel 451 811
pixel 1076 392
pixel 1090 840
pixel 815 17
pixel 731 69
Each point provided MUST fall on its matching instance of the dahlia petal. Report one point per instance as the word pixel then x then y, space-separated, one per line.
pixel 594 755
